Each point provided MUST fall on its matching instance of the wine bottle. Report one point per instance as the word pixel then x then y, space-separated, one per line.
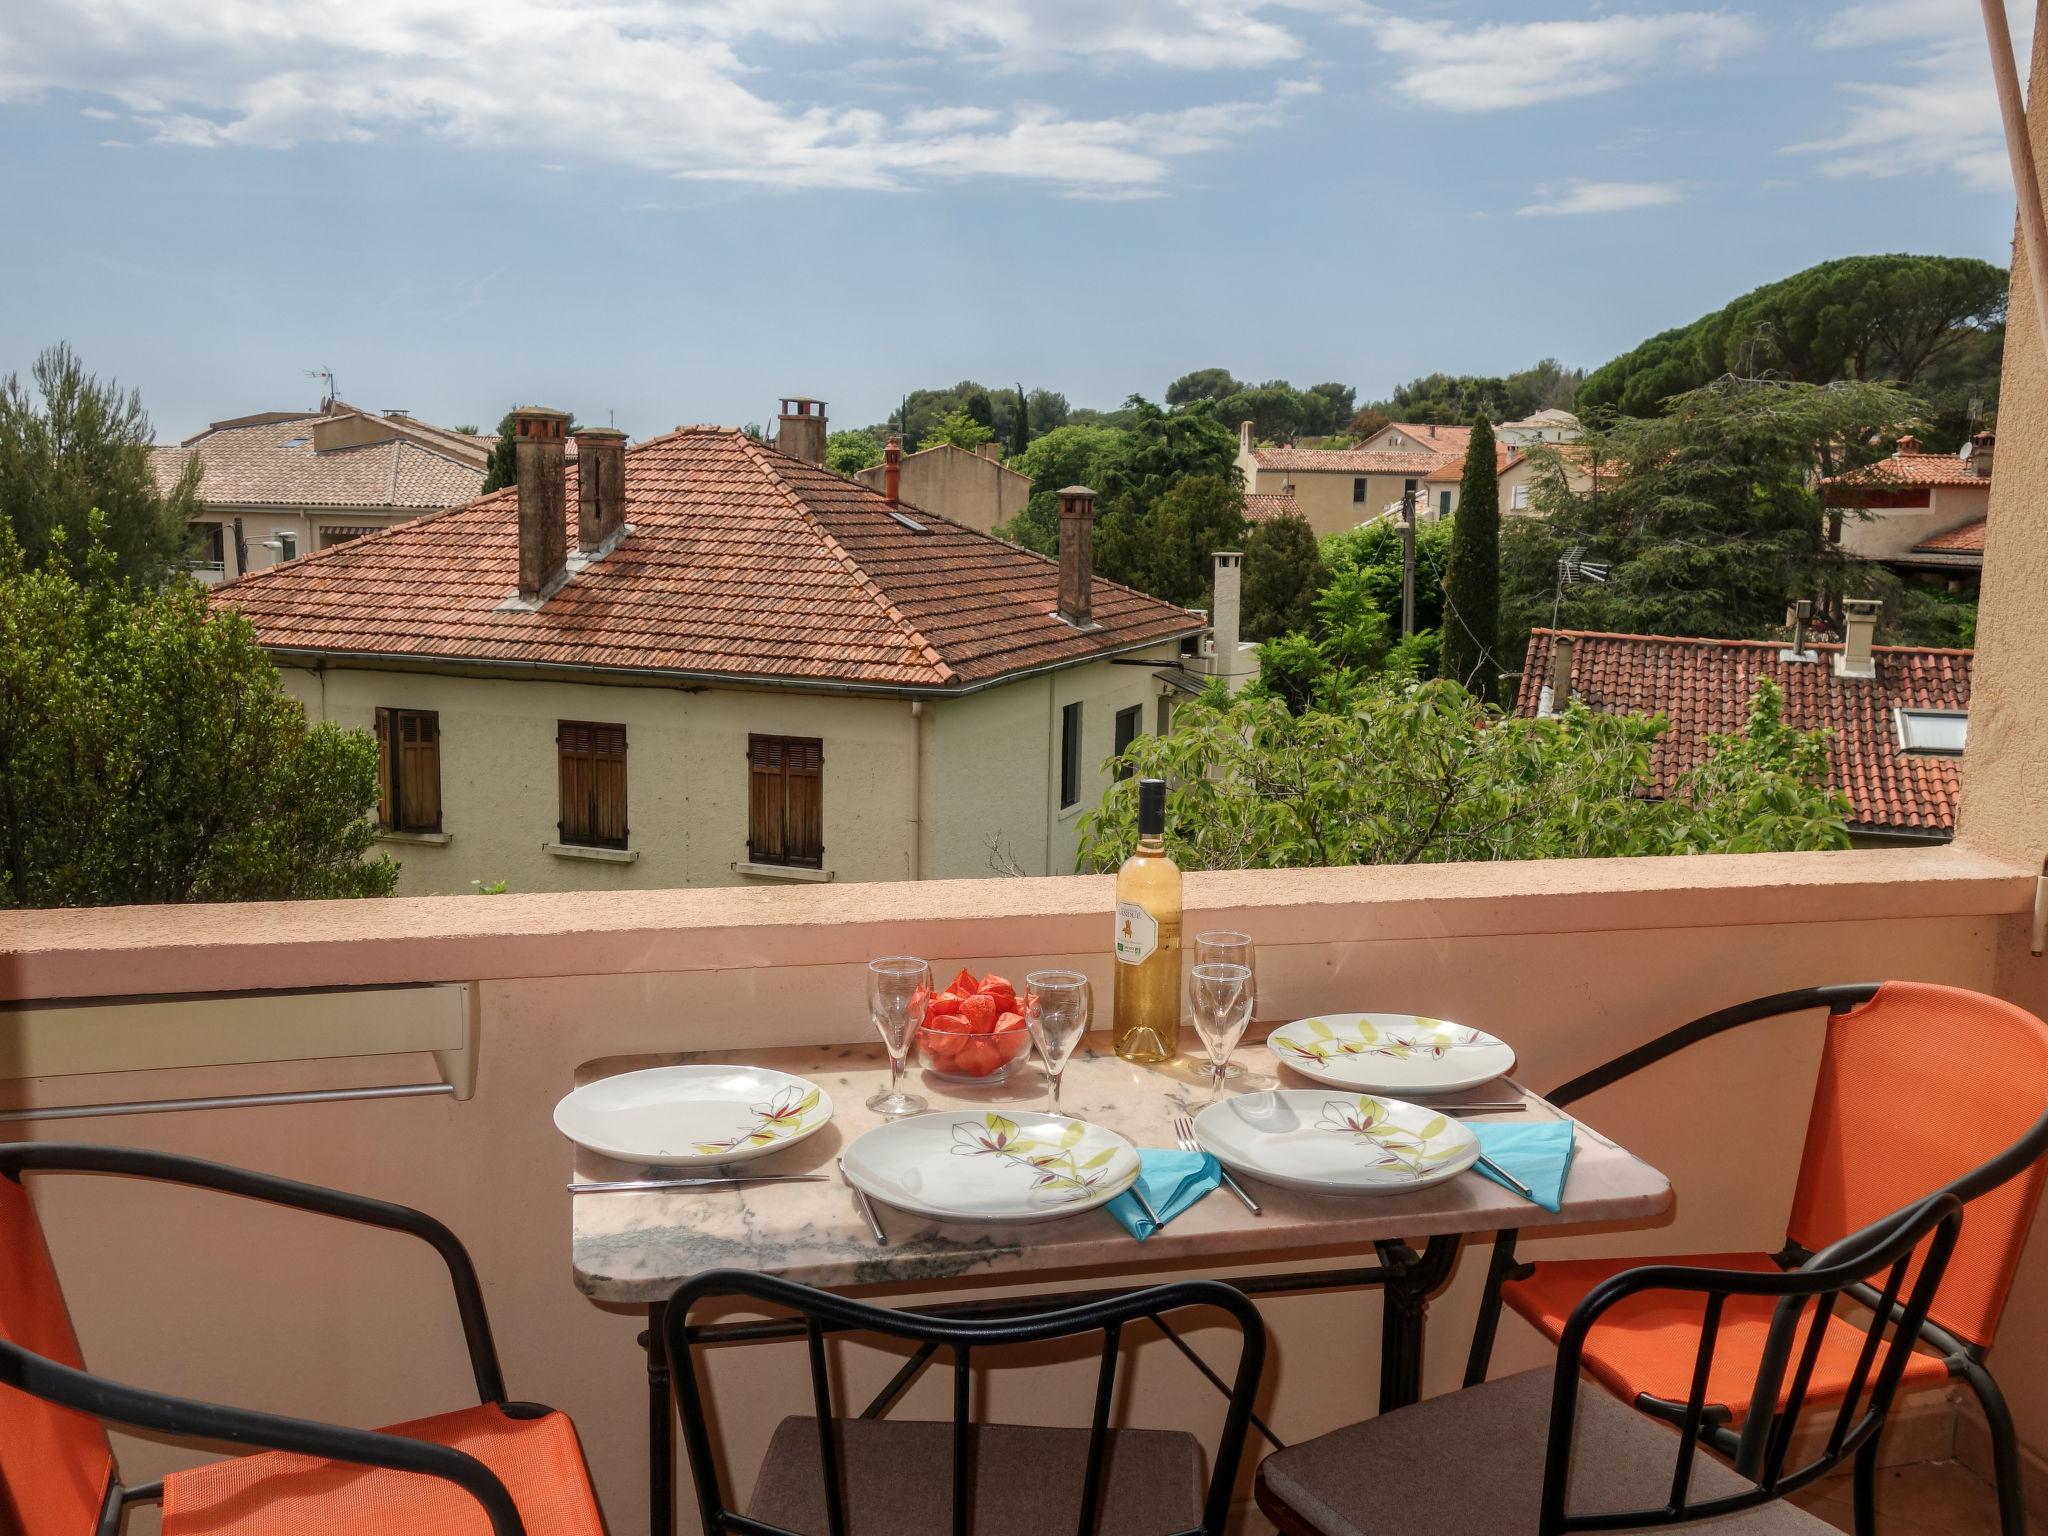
pixel 1147 1018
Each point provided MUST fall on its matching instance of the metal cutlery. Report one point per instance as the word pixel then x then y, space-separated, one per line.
pixel 722 1181
pixel 1184 1133
pixel 1487 1107
pixel 1138 1194
pixel 867 1207
pixel 1507 1178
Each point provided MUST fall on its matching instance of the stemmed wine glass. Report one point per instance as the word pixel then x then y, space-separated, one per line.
pixel 1056 1008
pixel 1221 996
pixel 1225 946
pixel 899 991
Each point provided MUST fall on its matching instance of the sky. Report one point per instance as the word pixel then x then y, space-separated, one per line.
pixel 664 211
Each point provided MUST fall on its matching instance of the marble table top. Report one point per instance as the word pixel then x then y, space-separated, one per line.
pixel 636 1247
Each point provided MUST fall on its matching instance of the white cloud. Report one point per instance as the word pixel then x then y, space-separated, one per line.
pixel 1938 114
pixel 669 86
pixel 1576 196
pixel 1461 68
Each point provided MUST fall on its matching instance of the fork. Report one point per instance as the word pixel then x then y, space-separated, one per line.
pixel 1184 1133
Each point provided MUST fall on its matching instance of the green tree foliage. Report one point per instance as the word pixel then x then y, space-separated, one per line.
pixel 148 755
pixel 1202 384
pixel 502 467
pixel 960 429
pixel 70 445
pixel 847 453
pixel 981 411
pixel 1365 421
pixel 922 411
pixel 1066 455
pixel 1283 573
pixel 1707 517
pixel 1374 550
pixel 1166 548
pixel 1020 424
pixel 1471 630
pixel 1862 317
pixel 1380 772
pixel 1446 399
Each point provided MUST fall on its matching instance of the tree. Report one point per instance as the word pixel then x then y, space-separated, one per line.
pixel 1020 424
pixel 959 429
pixel 1340 405
pixel 981 411
pixel 1049 410
pixel 1283 572
pixel 1374 551
pixel 1066 455
pixel 1168 549
pixel 1367 420
pixel 147 753
pixel 1380 772
pixel 1202 384
pixel 502 467
pixel 72 445
pixel 847 453
pixel 1472 583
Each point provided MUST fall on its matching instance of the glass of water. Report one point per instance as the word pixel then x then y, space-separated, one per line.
pixel 1057 1006
pixel 899 991
pixel 1226 946
pixel 1220 994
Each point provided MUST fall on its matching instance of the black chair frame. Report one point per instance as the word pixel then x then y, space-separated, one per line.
pixel 1964 1361
pixel 116 1402
pixel 822 1313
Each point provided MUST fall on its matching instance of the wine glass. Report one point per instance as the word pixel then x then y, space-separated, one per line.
pixel 1056 1007
pixel 899 991
pixel 1221 996
pixel 1226 946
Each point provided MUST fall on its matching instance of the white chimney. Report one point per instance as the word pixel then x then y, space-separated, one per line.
pixel 1859 631
pixel 1229 661
pixel 1244 438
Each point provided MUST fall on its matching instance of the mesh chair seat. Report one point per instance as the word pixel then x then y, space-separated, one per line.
pixel 1024 1480
pixel 1646 1344
pixel 277 1494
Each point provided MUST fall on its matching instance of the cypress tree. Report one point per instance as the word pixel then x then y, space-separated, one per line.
pixel 1020 425
pixel 1471 634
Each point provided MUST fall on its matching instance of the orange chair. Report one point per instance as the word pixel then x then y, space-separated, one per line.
pixel 499 1469
pixel 1921 1088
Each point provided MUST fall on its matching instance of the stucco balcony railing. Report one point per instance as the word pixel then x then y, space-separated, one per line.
pixel 1570 961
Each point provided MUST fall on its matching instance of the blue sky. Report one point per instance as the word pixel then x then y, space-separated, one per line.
pixel 678 210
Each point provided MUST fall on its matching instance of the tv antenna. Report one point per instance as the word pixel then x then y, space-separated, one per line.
pixel 1576 570
pixel 327 399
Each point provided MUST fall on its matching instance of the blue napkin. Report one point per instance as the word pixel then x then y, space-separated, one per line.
pixel 1172 1181
pixel 1538 1154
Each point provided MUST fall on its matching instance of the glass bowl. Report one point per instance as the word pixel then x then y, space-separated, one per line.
pixel 960 1057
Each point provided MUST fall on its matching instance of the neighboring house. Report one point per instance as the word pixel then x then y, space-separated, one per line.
pixel 1923 514
pixel 1547 426
pixel 701 661
pixel 1898 714
pixel 281 484
pixel 1524 469
pixel 975 489
pixel 1339 488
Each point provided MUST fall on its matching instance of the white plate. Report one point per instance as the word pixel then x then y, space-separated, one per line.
pixel 1390 1052
pixel 693 1117
pixel 976 1165
pixel 1336 1143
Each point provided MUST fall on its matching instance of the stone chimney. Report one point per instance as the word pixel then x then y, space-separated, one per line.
pixel 1800 617
pixel 802 435
pixel 990 450
pixel 1909 444
pixel 1562 653
pixel 1244 438
pixel 1227 659
pixel 1980 455
pixel 1859 632
pixel 1077 556
pixel 538 453
pixel 600 486
pixel 892 472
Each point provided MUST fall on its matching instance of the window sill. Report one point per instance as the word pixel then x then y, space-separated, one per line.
pixel 601 855
pixel 783 871
pixel 1067 813
pixel 426 839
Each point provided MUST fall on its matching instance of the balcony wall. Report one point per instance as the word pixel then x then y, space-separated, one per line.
pixel 1570 961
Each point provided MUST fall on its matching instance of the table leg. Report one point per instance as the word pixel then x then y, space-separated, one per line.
pixel 661 1441
pixel 1404 1306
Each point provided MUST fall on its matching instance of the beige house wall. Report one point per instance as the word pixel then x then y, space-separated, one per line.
pixel 263 523
pixel 1887 532
pixel 1520 476
pixel 1326 496
pixel 965 487
pixel 964 777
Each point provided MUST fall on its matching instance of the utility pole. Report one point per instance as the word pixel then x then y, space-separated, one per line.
pixel 1407 563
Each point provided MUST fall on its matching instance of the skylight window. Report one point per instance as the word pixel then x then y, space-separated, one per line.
pixel 296 442
pixel 910 522
pixel 1938 732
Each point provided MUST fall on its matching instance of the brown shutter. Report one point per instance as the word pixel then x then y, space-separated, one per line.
pixel 804 814
pixel 764 799
pixel 608 788
pixel 572 743
pixel 419 770
pixel 383 767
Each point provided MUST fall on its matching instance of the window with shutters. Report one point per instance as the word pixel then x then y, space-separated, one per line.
pixel 409 770
pixel 1127 726
pixel 786 801
pixel 1070 756
pixel 1358 489
pixel 593 768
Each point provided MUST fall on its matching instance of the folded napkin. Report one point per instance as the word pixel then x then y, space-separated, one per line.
pixel 1538 1153
pixel 1172 1182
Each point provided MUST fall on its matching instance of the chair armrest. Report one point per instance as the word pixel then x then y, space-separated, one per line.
pixel 69 1157
pixel 1836 999
pixel 116 1402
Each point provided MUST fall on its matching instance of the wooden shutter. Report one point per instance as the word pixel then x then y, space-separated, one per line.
pixel 419 770
pixel 593 774
pixel 786 800
pixel 383 767
pixel 764 799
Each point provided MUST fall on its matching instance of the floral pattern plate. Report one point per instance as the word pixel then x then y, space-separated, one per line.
pixel 1336 1143
pixel 693 1117
pixel 978 1165
pixel 1390 1052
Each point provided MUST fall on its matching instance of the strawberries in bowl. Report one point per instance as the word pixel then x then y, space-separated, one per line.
pixel 974 1030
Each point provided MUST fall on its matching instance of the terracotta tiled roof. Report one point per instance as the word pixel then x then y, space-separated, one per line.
pixel 742 562
pixel 1263 507
pixel 271 463
pixel 1705 686
pixel 1966 540
pixel 1347 461
pixel 1911 469
pixel 1432 439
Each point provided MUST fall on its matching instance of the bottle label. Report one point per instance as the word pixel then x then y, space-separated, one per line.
pixel 1137 933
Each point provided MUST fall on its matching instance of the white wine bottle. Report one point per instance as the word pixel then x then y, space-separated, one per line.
pixel 1147 1018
